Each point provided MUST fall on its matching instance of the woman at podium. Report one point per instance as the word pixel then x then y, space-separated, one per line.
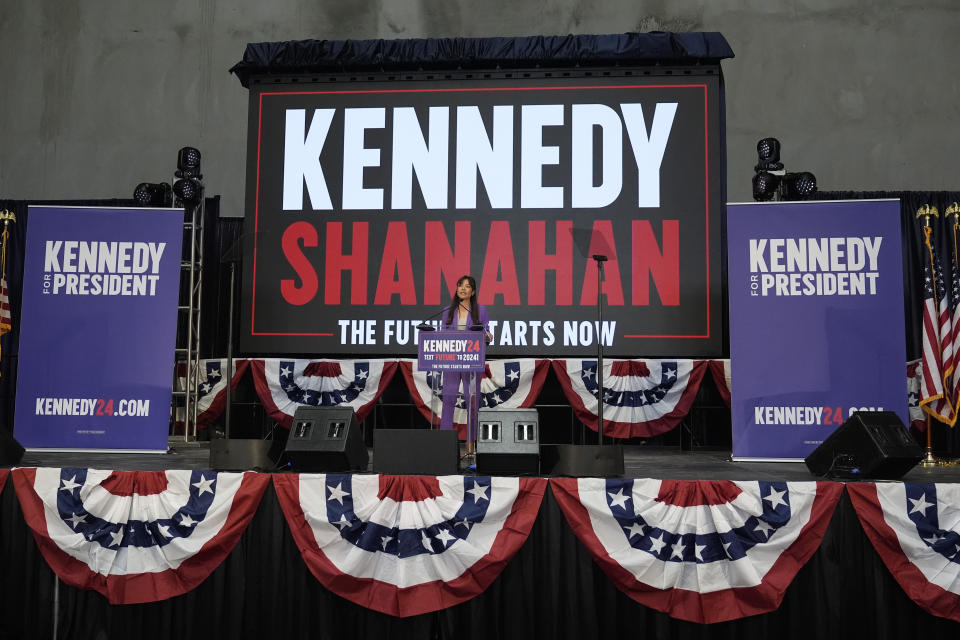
pixel 464 313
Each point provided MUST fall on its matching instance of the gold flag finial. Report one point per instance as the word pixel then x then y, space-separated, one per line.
pixel 926 211
pixel 954 210
pixel 8 216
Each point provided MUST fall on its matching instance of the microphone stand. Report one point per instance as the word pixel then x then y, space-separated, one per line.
pixel 599 259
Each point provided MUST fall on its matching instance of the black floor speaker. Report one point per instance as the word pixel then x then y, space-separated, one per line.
pixel 418 452
pixel 870 444
pixel 11 451
pixel 240 454
pixel 508 442
pixel 325 439
pixel 582 460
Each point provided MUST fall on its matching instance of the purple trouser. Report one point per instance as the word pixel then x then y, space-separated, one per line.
pixel 471 399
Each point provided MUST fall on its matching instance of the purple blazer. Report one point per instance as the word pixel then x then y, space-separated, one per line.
pixel 484 319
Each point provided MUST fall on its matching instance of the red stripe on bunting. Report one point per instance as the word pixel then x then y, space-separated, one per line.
pixel 693 494
pixel 707 608
pixel 409 488
pixel 323 369
pixel 3 478
pixel 929 596
pixel 422 598
pixel 127 483
pixel 142 587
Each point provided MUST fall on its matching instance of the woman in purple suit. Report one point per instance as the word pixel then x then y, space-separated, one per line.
pixel 464 313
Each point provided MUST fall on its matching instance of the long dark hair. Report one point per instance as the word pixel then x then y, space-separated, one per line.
pixel 474 308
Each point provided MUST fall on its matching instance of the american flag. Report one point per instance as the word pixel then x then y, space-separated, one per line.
pixel 6 320
pixel 937 365
pixel 954 387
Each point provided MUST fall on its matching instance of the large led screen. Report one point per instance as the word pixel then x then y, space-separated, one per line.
pixel 366 201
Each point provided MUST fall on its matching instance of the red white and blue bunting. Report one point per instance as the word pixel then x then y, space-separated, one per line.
pixel 506 384
pixel 407 545
pixel 915 530
pixel 642 398
pixel 3 478
pixel 699 551
pixel 211 386
pixel 136 536
pixel 720 370
pixel 662 402
pixel 285 385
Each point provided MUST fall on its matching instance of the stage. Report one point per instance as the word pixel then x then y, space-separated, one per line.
pixel 640 461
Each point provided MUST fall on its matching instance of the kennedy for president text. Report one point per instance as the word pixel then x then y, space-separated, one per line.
pixel 80 267
pixel 843 266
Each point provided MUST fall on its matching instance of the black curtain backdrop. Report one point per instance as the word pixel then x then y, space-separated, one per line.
pixel 551 589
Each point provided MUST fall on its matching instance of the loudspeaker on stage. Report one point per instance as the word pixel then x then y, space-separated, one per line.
pixel 422 452
pixel 508 442
pixel 325 439
pixel 870 444
pixel 240 454
pixel 582 460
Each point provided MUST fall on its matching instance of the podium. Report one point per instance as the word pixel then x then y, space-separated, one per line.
pixel 453 351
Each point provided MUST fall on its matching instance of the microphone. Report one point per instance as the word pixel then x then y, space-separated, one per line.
pixel 426 326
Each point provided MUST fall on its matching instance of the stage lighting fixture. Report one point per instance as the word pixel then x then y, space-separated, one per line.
pixel 148 194
pixel 768 155
pixel 188 190
pixel 188 163
pixel 765 186
pixel 798 186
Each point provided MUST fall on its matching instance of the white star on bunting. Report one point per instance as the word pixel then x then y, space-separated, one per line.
pixel 69 485
pixel 479 492
pixel 203 486
pixel 920 505
pixel 336 493
pixel 618 499
pixel 657 544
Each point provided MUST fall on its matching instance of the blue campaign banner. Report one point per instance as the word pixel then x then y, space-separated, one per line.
pixel 816 321
pixel 100 291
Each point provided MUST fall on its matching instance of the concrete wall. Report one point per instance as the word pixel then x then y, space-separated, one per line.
pixel 99 95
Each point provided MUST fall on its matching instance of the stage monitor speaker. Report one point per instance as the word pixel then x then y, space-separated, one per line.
pixel 870 444
pixel 11 451
pixel 418 452
pixel 508 442
pixel 325 439
pixel 240 454
pixel 582 460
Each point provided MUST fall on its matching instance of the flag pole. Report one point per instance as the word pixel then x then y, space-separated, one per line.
pixel 953 394
pixel 926 211
pixel 6 323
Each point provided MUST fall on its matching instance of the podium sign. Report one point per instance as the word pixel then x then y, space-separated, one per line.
pixel 452 350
